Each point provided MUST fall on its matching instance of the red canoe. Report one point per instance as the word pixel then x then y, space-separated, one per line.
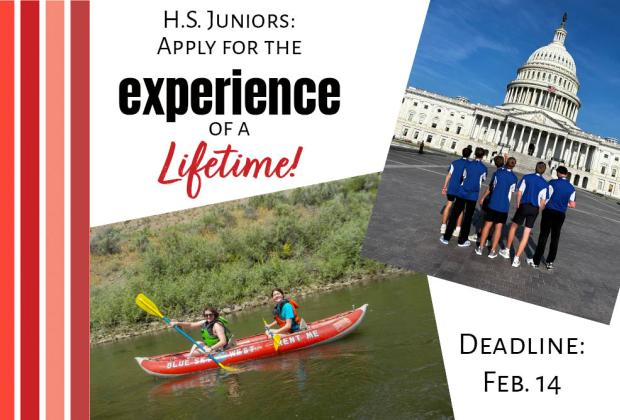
pixel 256 347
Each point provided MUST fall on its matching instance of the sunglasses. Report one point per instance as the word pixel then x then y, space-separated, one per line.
pixel 208 314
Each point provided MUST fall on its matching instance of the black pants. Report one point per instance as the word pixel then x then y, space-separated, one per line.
pixel 551 223
pixel 459 205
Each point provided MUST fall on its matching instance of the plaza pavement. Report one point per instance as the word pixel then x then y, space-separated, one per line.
pixel 404 232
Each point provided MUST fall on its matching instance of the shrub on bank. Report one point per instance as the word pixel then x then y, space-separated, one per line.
pixel 308 236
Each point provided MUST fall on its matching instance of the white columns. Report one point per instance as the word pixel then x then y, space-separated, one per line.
pixel 594 159
pixel 473 127
pixel 543 153
pixel 577 155
pixel 526 144
pixel 573 155
pixel 517 141
pixel 583 157
pixel 555 140
pixel 590 157
pixel 565 149
pixel 564 104
pixel 481 128
pixel 508 135
pixel 514 139
pixel 541 98
pixel 474 133
pixel 537 144
pixel 521 144
pixel 504 138
pixel 570 152
pixel 497 133
pixel 486 136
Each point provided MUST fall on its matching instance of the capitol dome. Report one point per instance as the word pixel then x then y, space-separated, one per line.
pixel 547 81
pixel 554 54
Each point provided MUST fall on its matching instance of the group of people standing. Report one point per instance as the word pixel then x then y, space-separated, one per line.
pixel 534 195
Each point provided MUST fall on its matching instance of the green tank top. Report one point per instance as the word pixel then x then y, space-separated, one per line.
pixel 210 339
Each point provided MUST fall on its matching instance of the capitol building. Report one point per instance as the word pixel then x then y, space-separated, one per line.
pixel 537 121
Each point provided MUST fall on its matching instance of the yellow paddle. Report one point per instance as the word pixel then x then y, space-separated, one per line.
pixel 150 308
pixel 275 337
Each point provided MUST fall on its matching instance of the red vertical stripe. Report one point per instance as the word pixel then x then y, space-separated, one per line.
pixel 7 206
pixel 29 190
pixel 80 126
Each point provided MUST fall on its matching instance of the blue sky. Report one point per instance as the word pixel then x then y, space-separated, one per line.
pixel 473 48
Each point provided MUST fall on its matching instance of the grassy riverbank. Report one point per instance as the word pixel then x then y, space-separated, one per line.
pixel 229 255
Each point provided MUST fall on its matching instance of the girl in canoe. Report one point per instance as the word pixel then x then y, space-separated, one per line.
pixel 284 314
pixel 214 331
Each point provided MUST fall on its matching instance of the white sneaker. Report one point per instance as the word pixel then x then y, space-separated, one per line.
pixel 473 237
pixel 457 231
pixel 443 241
pixel 516 262
pixel 442 229
pixel 464 244
pixel 504 252
pixel 478 250
pixel 492 254
pixel 530 262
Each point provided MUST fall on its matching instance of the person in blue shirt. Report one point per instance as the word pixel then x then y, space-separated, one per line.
pixel 499 193
pixel 451 186
pixel 284 314
pixel 561 197
pixel 466 197
pixel 478 221
pixel 532 193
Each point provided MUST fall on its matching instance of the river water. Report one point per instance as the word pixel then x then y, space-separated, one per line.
pixel 391 367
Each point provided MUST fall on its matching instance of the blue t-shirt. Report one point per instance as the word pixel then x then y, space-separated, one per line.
pixel 287 313
pixel 560 193
pixel 533 188
pixel 503 183
pixel 474 174
pixel 456 175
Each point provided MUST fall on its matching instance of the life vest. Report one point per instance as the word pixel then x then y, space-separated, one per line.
pixel 210 339
pixel 277 310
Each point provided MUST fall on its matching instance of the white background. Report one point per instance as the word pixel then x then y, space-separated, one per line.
pixel 369 47
pixel 589 381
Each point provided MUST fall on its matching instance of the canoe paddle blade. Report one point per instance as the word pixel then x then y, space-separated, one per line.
pixel 148 306
pixel 276 341
pixel 276 338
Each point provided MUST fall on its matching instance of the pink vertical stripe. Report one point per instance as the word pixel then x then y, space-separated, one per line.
pixel 7 205
pixel 54 206
pixel 80 149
